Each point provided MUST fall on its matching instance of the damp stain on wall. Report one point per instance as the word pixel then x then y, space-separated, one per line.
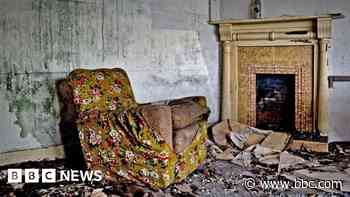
pixel 32 99
pixel 43 40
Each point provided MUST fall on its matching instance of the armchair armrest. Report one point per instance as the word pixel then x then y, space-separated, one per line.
pixel 200 100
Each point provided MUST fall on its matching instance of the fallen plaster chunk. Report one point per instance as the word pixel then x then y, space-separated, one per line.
pixel 250 148
pixel 243 159
pixel 220 132
pixel 270 160
pixel 241 135
pixel 261 131
pixel 227 155
pixel 254 138
pixel 246 137
pixel 222 129
pixel 288 161
pixel 238 139
pixel 297 145
pixel 276 141
pixel 261 151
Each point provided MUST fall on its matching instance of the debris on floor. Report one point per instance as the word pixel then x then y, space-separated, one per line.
pixel 289 161
pixel 276 141
pixel 228 154
pixel 300 159
pixel 320 147
pixel 267 167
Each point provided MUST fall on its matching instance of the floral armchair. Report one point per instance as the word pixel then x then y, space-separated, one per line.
pixel 152 144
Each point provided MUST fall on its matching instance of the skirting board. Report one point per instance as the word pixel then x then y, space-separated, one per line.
pixel 49 153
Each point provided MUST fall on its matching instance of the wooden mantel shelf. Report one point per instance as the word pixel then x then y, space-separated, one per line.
pixel 275 28
pixel 267 20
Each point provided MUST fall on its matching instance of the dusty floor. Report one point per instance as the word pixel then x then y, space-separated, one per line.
pixel 214 178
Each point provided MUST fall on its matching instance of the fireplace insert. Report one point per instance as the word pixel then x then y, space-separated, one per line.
pixel 275 102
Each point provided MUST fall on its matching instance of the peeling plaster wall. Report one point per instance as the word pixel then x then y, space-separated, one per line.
pixel 166 46
pixel 339 53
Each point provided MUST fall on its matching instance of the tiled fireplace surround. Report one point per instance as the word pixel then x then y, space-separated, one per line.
pixel 298 63
pixel 283 45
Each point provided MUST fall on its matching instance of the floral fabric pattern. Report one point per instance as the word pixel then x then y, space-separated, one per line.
pixel 193 156
pixel 101 90
pixel 115 137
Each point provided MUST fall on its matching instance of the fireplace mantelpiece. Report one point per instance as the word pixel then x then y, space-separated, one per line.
pixel 282 45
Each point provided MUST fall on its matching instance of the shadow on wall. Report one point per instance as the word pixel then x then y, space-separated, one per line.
pixel 68 129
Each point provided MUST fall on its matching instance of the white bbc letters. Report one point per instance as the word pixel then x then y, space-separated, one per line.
pixel 14 175
pixel 48 175
pixel 31 175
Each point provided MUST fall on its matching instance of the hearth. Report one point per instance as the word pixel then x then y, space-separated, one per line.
pixel 275 102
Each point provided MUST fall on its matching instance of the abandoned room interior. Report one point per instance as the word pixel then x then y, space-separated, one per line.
pixel 174 98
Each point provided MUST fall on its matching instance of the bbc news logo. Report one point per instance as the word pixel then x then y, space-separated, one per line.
pixel 50 175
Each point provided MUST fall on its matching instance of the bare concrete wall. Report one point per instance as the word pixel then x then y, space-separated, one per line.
pixel 339 53
pixel 166 46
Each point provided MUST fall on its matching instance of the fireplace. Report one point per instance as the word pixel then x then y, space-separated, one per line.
pixel 294 61
pixel 275 72
pixel 275 102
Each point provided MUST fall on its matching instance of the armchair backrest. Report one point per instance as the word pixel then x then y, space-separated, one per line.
pixel 100 90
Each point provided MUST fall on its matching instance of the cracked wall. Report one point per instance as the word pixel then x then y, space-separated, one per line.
pixel 167 48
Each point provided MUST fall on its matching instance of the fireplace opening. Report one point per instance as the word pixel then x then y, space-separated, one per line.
pixel 275 102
